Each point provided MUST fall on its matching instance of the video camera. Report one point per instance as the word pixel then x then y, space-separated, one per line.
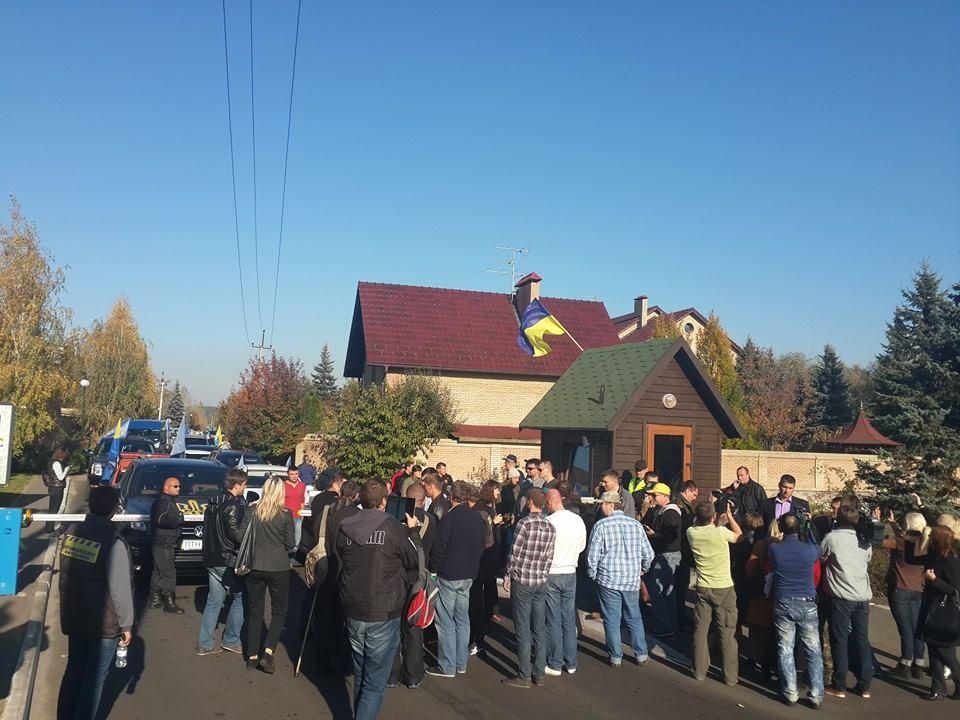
pixel 723 502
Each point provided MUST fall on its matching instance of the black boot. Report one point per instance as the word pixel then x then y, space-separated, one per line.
pixel 170 604
pixel 156 599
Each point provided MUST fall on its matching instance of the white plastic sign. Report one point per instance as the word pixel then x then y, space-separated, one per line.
pixel 6 441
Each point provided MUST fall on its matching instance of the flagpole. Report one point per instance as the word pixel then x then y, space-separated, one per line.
pixel 574 340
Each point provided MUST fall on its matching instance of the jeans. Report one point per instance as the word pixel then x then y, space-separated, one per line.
pixel 453 625
pixel 374 645
pixel 88 662
pixel 562 621
pixel 164 576
pixel 617 605
pixel 662 583
pixel 257 583
pixel 846 617
pixel 297 530
pixel 483 596
pixel 221 582
pixel 905 607
pixel 790 616
pixel 529 610
pixel 717 605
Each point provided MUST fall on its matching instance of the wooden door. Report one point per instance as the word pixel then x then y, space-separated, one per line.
pixel 670 452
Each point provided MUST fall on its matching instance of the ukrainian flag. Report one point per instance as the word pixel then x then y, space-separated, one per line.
pixel 535 323
pixel 219 437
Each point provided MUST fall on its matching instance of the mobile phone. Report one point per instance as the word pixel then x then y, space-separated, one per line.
pixel 400 507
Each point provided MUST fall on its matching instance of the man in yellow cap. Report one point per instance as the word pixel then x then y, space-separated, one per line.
pixel 663 526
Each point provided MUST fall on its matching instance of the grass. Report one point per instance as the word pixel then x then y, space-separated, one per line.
pixel 18 483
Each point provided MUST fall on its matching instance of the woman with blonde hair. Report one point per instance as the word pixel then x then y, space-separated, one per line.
pixel 273 541
pixel 905 593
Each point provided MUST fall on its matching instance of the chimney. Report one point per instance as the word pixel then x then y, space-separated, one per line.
pixel 528 290
pixel 640 308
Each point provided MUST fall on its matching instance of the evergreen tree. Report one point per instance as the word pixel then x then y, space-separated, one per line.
pixel 916 390
pixel 175 405
pixel 324 378
pixel 832 407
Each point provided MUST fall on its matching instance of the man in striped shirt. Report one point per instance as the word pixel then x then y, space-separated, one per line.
pixel 618 555
pixel 526 580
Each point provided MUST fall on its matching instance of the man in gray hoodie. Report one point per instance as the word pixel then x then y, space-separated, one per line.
pixel 376 553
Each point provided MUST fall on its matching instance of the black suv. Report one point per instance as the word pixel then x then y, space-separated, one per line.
pixel 143 482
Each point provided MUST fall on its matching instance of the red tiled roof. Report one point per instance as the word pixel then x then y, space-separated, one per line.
pixel 404 326
pixel 642 334
pixel 496 432
pixel 862 433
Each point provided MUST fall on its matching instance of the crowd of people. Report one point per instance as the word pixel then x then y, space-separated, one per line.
pixel 770 580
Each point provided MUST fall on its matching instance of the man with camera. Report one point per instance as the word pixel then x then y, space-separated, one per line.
pixel 795 565
pixel 846 557
pixel 716 598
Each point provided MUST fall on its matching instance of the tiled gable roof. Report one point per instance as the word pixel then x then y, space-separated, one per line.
pixel 404 326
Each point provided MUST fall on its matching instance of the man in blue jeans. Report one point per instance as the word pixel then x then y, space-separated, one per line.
pixel 526 580
pixel 618 555
pixel 846 558
pixel 562 586
pixel 455 558
pixel 377 554
pixel 795 609
pixel 222 519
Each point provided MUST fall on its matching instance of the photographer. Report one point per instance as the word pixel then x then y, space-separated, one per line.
pixel 846 557
pixel 716 599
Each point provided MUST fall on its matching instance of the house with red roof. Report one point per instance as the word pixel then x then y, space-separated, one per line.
pixel 468 340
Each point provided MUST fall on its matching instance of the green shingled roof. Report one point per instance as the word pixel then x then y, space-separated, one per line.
pixel 574 401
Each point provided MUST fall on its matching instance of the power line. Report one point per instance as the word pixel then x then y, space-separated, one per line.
pixel 253 134
pixel 286 157
pixel 233 176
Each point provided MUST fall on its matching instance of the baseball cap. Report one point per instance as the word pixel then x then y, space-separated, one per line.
pixel 661 488
pixel 610 496
pixel 511 457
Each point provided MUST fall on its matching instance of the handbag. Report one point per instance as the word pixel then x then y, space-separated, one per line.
pixel 318 552
pixel 942 624
pixel 244 563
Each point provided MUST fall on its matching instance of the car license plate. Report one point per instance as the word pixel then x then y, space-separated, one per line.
pixel 191 545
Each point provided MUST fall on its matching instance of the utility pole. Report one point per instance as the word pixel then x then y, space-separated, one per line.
pixel 163 384
pixel 261 347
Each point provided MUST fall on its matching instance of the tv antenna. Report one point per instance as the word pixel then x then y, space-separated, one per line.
pixel 515 255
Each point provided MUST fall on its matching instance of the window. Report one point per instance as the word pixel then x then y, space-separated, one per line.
pixel 578 461
pixel 688 328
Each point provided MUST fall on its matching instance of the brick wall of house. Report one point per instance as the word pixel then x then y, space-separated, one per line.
pixel 477 461
pixel 491 399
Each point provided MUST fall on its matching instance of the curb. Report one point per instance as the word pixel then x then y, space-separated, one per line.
pixel 21 687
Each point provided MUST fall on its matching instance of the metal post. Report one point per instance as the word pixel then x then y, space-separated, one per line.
pixel 163 383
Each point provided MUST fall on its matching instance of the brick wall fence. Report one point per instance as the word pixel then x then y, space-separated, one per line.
pixel 819 475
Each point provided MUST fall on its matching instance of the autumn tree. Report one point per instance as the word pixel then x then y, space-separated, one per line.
pixel 267 411
pixel 713 350
pixel 324 378
pixel 117 364
pixel 32 331
pixel 381 425
pixel 775 393
pixel 665 328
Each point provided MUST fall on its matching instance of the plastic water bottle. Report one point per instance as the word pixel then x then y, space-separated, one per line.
pixel 121 655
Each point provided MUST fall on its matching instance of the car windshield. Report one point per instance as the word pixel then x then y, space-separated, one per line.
pixel 232 458
pixel 204 481
pixel 150 434
pixel 103 447
pixel 132 445
pixel 196 442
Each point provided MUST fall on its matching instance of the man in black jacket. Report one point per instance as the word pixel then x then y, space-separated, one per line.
pixel 375 553
pixel 439 503
pixel 748 495
pixel 165 522
pixel 455 557
pixel 784 502
pixel 221 540
pixel 663 523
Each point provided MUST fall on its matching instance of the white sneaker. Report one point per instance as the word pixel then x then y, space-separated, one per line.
pixel 550 671
pixel 571 671
pixel 474 649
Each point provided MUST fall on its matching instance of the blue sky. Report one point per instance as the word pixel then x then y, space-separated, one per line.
pixel 786 164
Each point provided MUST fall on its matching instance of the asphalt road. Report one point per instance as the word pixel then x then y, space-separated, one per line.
pixel 165 679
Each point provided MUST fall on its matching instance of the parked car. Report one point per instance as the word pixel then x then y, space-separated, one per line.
pixel 132 446
pixel 231 458
pixel 198 447
pixel 153 430
pixel 139 487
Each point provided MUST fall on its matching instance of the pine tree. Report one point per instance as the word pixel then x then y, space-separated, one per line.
pixel 917 385
pixel 175 406
pixel 832 407
pixel 324 378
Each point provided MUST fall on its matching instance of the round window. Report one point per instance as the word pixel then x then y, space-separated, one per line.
pixel 688 328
